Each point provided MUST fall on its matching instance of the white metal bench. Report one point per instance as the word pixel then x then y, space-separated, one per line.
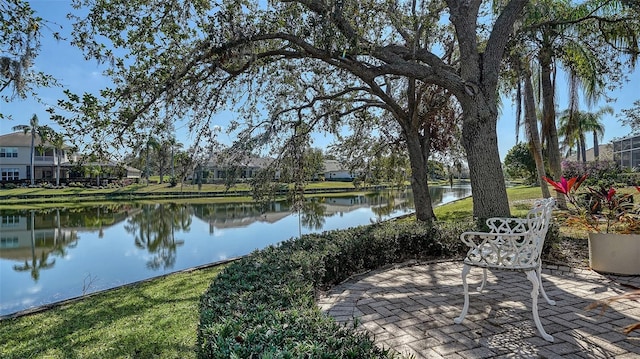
pixel 511 244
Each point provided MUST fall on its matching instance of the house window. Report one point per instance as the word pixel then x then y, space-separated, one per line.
pixel 8 152
pixel 9 242
pixel 10 221
pixel 10 174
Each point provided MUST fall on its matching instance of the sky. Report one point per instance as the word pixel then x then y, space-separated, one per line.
pixel 67 64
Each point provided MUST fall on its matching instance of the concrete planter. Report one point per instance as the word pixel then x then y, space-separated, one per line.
pixel 615 253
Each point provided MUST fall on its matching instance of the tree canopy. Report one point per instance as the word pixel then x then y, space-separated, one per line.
pixel 595 42
pixel 631 117
pixel 20 32
pixel 322 62
pixel 520 164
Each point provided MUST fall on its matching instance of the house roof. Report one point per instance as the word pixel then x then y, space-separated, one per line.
pixel 333 166
pixel 606 153
pixel 21 139
pixel 255 162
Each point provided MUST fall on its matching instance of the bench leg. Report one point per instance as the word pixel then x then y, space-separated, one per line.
pixel 544 294
pixel 484 280
pixel 465 286
pixel 533 277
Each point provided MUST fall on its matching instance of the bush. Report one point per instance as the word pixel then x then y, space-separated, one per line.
pixel 602 173
pixel 10 185
pixel 264 304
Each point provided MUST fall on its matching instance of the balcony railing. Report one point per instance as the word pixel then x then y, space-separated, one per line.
pixel 44 158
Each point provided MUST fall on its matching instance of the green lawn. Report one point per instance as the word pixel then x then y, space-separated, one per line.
pixel 74 196
pixel 154 319
pixel 519 199
pixel 156 188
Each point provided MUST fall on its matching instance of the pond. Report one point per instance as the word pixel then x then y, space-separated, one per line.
pixel 56 254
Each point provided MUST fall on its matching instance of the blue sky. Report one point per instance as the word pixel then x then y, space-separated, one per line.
pixel 67 64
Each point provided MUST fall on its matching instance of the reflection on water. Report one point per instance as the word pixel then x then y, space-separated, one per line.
pixel 50 255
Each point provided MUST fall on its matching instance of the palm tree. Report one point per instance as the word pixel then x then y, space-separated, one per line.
pixel 535 144
pixel 526 101
pixel 567 131
pixel 574 125
pixel 35 129
pixel 57 140
pixel 174 144
pixel 593 124
pixel 561 33
pixel 151 143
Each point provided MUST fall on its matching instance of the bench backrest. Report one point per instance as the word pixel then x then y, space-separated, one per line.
pixel 539 218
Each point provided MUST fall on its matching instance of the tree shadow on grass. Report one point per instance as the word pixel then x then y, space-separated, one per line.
pixel 411 309
pixel 141 321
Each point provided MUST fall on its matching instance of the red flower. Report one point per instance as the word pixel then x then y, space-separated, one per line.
pixel 566 186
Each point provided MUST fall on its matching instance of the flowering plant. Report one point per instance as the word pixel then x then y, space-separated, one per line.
pixel 600 206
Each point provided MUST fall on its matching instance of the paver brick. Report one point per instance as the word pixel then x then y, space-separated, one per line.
pixel 410 309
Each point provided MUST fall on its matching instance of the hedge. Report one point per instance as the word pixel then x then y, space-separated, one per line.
pixel 264 305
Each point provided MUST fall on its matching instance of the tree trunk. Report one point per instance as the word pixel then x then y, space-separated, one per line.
pixel 147 164
pixel 583 148
pixel 549 123
pixel 33 154
pixel 173 165
pixel 478 97
pixel 161 170
pixel 418 157
pixel 480 141
pixel 596 146
pixel 535 146
pixel 58 158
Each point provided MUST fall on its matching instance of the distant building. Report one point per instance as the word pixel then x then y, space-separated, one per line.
pixel 15 161
pixel 334 171
pixel 15 158
pixel 626 152
pixel 605 153
pixel 218 169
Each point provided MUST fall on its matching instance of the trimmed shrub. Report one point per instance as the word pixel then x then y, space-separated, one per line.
pixel 263 305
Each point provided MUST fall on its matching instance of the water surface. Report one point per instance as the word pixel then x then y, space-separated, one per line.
pixel 56 254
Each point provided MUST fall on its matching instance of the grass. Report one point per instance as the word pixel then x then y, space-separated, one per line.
pixel 155 188
pixel 153 319
pixel 519 199
pixel 154 193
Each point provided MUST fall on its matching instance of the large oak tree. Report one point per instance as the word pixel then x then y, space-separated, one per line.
pixel 305 60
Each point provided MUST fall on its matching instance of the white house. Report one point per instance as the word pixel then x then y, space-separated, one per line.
pixel 248 167
pixel 334 171
pixel 15 158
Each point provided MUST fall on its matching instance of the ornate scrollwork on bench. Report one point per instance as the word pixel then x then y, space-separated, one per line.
pixel 511 244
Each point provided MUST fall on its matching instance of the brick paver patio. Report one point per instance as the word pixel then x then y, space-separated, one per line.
pixel 410 308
